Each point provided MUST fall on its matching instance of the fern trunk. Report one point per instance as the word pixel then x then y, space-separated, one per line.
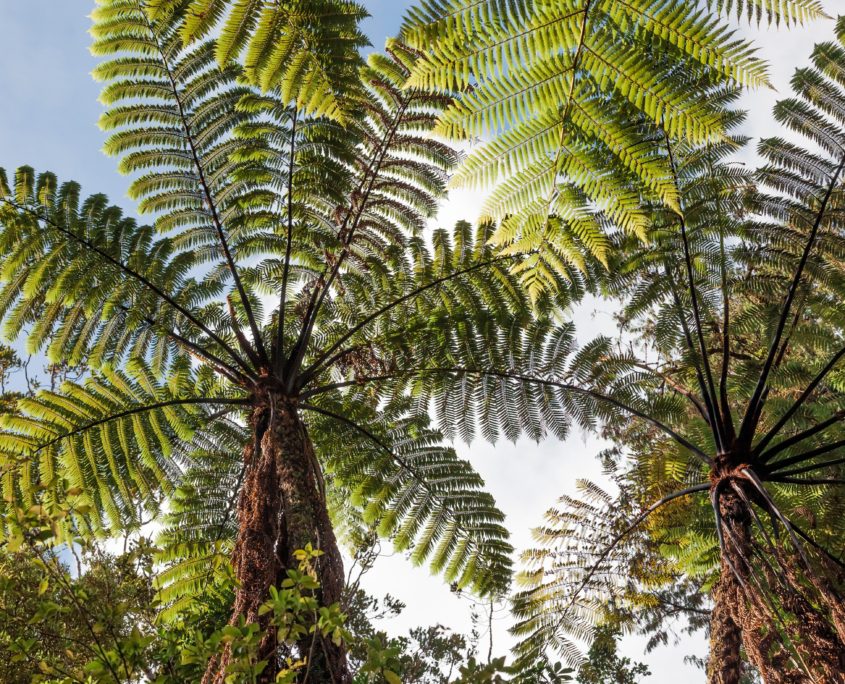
pixel 725 665
pixel 788 631
pixel 282 509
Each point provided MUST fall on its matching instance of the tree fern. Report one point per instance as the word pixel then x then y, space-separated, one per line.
pixel 268 206
pixel 286 260
pixel 737 353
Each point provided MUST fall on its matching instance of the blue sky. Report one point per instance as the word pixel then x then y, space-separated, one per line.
pixel 48 101
pixel 48 119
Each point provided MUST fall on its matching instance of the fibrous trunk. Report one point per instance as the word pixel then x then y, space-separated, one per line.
pixel 282 509
pixel 725 664
pixel 764 604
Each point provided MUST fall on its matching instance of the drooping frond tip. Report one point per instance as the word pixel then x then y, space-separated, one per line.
pixel 306 50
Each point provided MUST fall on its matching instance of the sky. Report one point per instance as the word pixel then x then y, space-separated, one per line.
pixel 48 119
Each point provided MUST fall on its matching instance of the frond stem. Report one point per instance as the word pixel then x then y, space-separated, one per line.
pixel 321 360
pixel 279 351
pixel 229 372
pixel 748 422
pixel 330 273
pixel 209 197
pixel 798 402
pixel 617 539
pixel 140 278
pixel 142 409
pixel 805 469
pixel 521 378
pixel 717 420
pixel 800 437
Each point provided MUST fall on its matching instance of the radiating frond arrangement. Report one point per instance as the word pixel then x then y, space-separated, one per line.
pixel 738 351
pixel 262 358
pixel 570 99
pixel 286 260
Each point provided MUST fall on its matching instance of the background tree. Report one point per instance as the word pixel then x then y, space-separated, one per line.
pixel 604 666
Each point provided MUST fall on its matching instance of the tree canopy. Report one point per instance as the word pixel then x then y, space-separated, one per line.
pixel 272 363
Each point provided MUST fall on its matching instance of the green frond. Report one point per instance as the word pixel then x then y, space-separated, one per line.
pixel 575 96
pixel 584 571
pixel 116 438
pixel 416 492
pixel 88 282
pixel 771 11
pixel 306 51
pixel 199 529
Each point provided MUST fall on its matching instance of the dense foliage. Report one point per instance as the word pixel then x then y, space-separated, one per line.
pixel 271 368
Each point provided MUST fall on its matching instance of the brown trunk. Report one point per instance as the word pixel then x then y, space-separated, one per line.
pixel 763 604
pixel 725 664
pixel 816 636
pixel 282 509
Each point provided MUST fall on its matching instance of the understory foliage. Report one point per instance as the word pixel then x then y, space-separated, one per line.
pixel 91 616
